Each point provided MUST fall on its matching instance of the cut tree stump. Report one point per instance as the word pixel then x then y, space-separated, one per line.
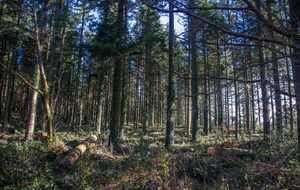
pixel 75 154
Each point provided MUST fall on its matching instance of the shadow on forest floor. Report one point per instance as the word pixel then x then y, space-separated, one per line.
pixel 215 161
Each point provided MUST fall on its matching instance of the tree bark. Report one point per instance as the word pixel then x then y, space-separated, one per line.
pixel 10 85
pixel 77 152
pixel 220 103
pixel 279 127
pixel 171 88
pixel 194 79
pixel 117 85
pixel 265 99
pixel 45 92
pixel 295 17
pixel 206 98
pixel 32 105
pixel 100 101
pixel 76 102
pixel 123 108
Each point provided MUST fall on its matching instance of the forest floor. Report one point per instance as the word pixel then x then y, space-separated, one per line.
pixel 216 161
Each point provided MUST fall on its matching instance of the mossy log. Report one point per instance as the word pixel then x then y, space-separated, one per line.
pixel 75 154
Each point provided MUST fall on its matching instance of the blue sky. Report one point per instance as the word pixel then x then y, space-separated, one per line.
pixel 177 20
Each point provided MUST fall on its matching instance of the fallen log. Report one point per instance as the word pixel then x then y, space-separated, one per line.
pixel 229 144
pixel 40 136
pixel 154 140
pixel 75 154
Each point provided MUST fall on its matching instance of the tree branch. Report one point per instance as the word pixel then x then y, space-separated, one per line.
pixel 258 38
pixel 28 83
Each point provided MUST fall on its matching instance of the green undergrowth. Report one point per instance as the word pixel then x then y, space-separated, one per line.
pixel 136 164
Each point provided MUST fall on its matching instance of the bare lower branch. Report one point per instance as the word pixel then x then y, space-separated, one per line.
pixel 28 83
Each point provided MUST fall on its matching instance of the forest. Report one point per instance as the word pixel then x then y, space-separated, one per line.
pixel 101 94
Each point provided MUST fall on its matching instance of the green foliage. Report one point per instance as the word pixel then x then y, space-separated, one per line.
pixel 104 43
pixel 33 165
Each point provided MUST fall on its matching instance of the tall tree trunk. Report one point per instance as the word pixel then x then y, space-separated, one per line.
pixel 279 127
pixel 123 108
pixel 146 87
pixel 136 112
pixel 117 85
pixel 236 103
pixel 10 85
pixel 76 102
pixel 45 91
pixel 194 78
pixel 171 89
pixel 61 54
pixel 100 101
pixel 205 103
pixel 252 96
pixel 2 78
pixel 32 104
pixel 129 99
pixel 188 128
pixel 235 82
pixel 265 99
pixel 220 104
pixel 179 106
pixel 295 17
pixel 247 105
pixel 108 100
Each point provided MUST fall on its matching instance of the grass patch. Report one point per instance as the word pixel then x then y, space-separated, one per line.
pixel 251 164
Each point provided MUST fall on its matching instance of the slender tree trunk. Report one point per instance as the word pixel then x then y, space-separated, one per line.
pixel 146 86
pixel 194 78
pixel 179 114
pixel 87 97
pixel 137 98
pixel 100 100
pixel 253 103
pixel 205 103
pixel 295 17
pixel 227 102
pixel 290 99
pixel 227 95
pixel 45 92
pixel 123 108
pixel 107 100
pixel 188 128
pixel 258 104
pixel 10 85
pixel 171 88
pixel 235 83
pixel 76 102
pixel 265 99
pixel 247 105
pixel 129 99
pixel 2 78
pixel 8 98
pixel 220 104
pixel 60 58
